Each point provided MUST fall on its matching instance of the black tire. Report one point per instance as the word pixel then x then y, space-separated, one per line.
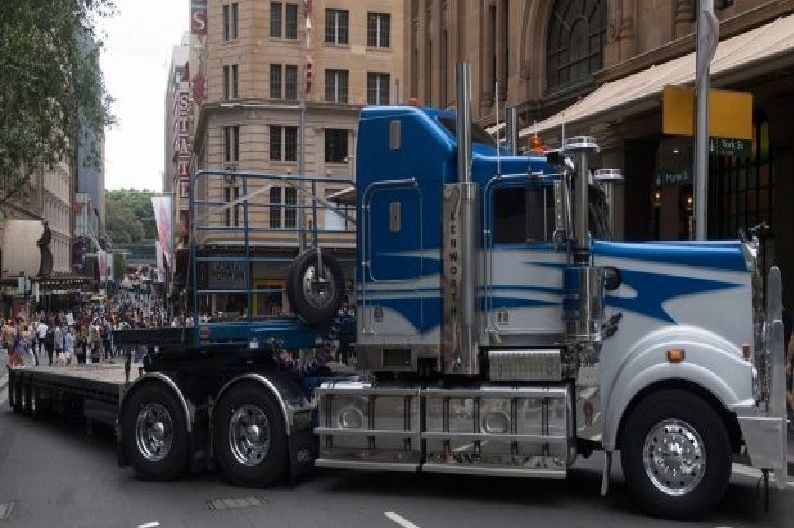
pixel 249 458
pixel 315 304
pixel 35 403
pixel 701 455
pixel 14 398
pixel 27 399
pixel 154 433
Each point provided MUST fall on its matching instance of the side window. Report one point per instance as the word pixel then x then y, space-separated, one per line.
pixel 523 215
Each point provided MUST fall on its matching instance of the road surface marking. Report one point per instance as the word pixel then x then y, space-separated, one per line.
pixel 153 524
pixel 399 519
pixel 753 473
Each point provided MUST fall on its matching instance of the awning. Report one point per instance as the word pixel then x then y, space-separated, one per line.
pixel 642 90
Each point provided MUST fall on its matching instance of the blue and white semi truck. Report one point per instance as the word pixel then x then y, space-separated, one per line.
pixel 499 332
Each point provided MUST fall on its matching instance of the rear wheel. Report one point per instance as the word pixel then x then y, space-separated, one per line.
pixel 249 437
pixel 676 455
pixel 154 433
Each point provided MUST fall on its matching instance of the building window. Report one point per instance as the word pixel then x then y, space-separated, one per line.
pixel 288 143
pixel 231 17
pixel 377 88
pixel 290 211
pixel 232 194
pixel 741 191
pixel 231 144
pixel 291 82
pixel 575 42
pixel 336 86
pixel 275 81
pixel 275 207
pixel 335 145
pixel 231 82
pixel 336 26
pixel 275 143
pixel 378 25
pixel 275 19
pixel 289 20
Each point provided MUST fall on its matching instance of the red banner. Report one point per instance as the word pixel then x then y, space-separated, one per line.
pixel 198 17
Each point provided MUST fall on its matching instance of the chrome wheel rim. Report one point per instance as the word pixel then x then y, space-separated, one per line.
pixel 249 435
pixel 318 292
pixel 154 432
pixel 674 457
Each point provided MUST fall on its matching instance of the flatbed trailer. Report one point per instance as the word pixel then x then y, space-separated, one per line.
pixel 91 391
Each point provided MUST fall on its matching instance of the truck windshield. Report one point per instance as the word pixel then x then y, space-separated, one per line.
pixel 478 133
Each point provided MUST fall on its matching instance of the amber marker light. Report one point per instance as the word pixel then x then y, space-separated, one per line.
pixel 746 352
pixel 676 355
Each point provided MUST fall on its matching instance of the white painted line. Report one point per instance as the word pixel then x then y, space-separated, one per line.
pixel 153 524
pixel 399 519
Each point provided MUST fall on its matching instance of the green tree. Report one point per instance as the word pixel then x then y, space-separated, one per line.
pixel 51 85
pixel 129 217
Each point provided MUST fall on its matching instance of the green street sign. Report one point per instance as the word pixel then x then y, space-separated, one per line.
pixel 666 178
pixel 730 147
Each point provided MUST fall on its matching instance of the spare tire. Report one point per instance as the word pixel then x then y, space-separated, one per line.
pixel 315 297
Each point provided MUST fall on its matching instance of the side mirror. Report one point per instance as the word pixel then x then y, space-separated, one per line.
pixel 611 278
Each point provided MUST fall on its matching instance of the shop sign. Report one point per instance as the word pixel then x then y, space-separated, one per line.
pixel 729 147
pixel 228 275
pixel 666 178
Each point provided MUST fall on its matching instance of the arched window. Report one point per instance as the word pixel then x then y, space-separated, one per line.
pixel 575 42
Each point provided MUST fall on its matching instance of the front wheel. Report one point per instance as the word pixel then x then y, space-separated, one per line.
pixel 676 455
pixel 154 433
pixel 249 437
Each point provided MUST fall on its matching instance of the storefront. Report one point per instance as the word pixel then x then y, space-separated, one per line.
pixel 748 183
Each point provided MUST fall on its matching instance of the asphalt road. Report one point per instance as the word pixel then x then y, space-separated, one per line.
pixel 53 474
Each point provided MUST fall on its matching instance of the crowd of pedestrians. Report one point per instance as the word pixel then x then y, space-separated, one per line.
pixel 59 339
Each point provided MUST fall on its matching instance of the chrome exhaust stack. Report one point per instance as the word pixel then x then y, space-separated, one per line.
pixel 461 233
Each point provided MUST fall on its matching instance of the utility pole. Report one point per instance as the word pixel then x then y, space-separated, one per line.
pixel 707 40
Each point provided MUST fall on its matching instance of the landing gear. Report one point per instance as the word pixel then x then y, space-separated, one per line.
pixel 676 455
pixel 155 433
pixel 249 437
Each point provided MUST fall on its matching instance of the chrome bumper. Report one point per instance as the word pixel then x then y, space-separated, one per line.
pixel 765 439
pixel 764 424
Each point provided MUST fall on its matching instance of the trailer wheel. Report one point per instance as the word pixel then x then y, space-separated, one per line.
pixel 27 399
pixel 154 433
pixel 14 394
pixel 676 455
pixel 249 437
pixel 35 403
pixel 314 299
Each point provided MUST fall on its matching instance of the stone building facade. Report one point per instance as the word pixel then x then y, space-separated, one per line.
pixel 599 67
pixel 260 70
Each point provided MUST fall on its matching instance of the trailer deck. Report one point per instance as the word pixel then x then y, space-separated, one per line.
pixel 95 389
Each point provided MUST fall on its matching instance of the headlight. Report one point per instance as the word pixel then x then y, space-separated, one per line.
pixel 350 418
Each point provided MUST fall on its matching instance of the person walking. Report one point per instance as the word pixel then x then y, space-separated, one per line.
pixel 49 342
pixel 68 345
pixel 57 341
pixel 95 341
pixel 41 332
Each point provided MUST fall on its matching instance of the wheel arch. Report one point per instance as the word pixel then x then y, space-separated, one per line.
pixel 727 417
pixel 269 386
pixel 158 378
